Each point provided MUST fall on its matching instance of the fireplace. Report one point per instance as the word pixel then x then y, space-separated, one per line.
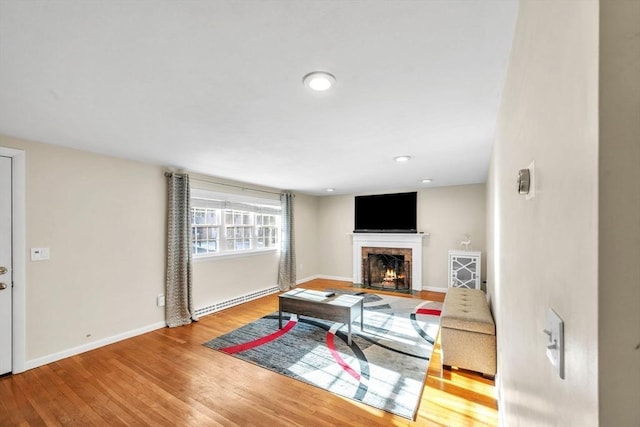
pixel 405 250
pixel 386 268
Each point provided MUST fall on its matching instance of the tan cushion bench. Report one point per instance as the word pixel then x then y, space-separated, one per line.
pixel 467 331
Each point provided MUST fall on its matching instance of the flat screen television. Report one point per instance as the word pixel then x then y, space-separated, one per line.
pixel 386 213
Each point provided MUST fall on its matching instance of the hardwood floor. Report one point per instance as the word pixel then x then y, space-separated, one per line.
pixel 168 378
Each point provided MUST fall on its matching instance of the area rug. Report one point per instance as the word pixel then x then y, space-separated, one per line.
pixel 385 366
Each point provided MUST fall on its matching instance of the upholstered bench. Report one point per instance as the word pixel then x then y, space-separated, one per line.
pixel 467 332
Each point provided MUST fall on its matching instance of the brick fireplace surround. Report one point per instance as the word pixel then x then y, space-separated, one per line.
pixel 410 244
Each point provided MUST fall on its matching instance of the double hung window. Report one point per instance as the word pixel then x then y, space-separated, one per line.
pixel 224 223
pixel 268 227
pixel 238 229
pixel 205 229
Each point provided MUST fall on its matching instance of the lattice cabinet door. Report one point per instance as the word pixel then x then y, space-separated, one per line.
pixel 464 269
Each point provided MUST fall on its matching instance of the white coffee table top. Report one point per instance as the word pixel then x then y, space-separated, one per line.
pixel 326 297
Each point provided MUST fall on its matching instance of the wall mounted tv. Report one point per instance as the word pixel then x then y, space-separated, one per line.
pixel 386 213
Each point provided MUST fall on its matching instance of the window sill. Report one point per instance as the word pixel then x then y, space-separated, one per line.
pixel 230 255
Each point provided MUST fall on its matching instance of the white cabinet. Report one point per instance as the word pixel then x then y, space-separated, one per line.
pixel 464 269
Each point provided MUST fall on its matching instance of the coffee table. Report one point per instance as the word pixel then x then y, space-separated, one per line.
pixel 322 305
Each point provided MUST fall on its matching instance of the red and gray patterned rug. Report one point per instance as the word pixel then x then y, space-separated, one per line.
pixel 384 367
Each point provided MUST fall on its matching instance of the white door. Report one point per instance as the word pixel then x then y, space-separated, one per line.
pixel 5 266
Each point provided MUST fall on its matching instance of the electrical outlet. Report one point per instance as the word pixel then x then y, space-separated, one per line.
pixel 160 300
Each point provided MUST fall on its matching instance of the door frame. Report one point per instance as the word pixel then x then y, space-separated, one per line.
pixel 19 250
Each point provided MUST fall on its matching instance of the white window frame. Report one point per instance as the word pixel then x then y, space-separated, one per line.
pixel 274 230
pixel 207 226
pixel 226 203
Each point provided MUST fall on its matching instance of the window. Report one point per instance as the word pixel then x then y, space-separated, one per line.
pixel 228 223
pixel 268 227
pixel 239 226
pixel 205 228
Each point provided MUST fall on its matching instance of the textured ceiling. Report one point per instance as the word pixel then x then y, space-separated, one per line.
pixel 215 86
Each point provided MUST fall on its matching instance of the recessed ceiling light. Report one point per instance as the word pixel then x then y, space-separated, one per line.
pixel 400 159
pixel 319 81
pixel 426 181
pixel 330 190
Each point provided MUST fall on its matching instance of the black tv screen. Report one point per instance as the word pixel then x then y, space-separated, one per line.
pixel 386 213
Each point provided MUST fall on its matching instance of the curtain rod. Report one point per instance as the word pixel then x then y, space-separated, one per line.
pixel 233 186
pixel 192 178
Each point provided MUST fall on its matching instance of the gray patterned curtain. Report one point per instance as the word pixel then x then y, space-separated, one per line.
pixel 179 299
pixel 287 270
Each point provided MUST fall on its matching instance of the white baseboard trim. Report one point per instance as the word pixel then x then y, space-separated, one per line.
pixel 50 358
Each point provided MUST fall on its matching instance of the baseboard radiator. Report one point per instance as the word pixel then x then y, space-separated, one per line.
pixel 234 301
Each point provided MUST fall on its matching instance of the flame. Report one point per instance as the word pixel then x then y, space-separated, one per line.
pixel 390 274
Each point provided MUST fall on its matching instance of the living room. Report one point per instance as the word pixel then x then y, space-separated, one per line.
pixel 569 102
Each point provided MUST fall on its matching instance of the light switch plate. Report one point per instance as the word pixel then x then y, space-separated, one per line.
pixel 555 344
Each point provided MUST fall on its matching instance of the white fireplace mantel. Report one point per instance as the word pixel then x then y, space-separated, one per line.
pixel 390 240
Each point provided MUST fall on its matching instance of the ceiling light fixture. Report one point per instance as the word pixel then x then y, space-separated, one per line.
pixel 330 190
pixel 426 181
pixel 401 159
pixel 319 81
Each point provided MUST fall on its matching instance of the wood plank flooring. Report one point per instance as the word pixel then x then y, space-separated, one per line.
pixel 168 378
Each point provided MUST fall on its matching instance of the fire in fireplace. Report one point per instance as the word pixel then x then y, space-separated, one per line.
pixel 386 271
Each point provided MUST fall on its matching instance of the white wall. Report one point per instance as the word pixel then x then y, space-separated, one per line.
pixel 335 225
pixel 446 213
pixel 544 251
pixel 103 220
pixel 306 231
pixel 221 279
pixel 619 214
